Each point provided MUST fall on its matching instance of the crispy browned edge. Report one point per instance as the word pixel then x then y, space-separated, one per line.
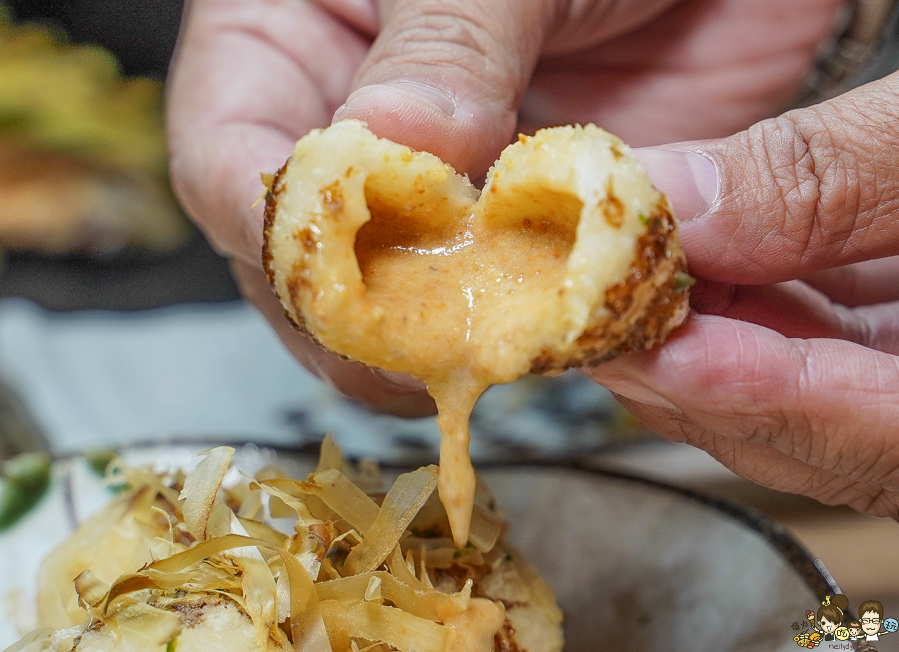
pixel 271 206
pixel 657 263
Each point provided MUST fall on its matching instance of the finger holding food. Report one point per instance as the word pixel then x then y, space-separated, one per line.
pixel 387 256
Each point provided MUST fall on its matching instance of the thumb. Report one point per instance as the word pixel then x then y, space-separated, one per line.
pixel 447 77
pixel 812 189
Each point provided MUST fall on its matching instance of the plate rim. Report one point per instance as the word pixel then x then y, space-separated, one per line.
pixel 810 569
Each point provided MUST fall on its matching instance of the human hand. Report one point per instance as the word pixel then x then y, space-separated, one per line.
pixel 788 373
pixel 250 77
pixel 253 76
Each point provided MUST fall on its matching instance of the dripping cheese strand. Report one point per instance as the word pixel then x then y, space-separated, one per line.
pixel 384 255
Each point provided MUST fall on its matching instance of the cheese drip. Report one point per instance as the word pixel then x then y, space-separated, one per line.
pixel 388 257
pixel 460 304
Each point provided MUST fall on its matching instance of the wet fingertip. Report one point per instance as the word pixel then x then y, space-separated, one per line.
pixel 378 391
pixel 401 395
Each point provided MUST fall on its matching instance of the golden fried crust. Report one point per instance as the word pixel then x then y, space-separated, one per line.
pixel 569 256
pixel 271 204
pixel 640 311
pixel 386 256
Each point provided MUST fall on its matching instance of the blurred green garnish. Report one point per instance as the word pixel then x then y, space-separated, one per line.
pixel 683 281
pixel 98 460
pixel 26 478
pixel 62 97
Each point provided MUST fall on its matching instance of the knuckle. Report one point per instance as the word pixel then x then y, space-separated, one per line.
pixel 877 501
pixel 790 185
pixel 863 497
pixel 775 417
pixel 450 35
pixel 812 430
pixel 821 178
pixel 815 437
pixel 681 429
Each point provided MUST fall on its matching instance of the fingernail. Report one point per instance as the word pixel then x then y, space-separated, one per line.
pixel 634 390
pixel 688 179
pixel 391 94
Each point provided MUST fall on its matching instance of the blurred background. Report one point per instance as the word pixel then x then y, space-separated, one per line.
pixel 119 324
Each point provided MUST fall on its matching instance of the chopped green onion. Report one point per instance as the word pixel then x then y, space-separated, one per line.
pixel 26 478
pixel 683 281
pixel 98 460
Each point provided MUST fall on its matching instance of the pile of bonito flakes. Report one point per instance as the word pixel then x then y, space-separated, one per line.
pixel 216 559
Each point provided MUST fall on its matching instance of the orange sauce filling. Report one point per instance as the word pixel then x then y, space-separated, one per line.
pixel 461 300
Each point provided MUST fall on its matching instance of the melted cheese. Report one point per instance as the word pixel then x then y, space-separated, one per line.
pixel 474 630
pixel 460 302
pixel 390 258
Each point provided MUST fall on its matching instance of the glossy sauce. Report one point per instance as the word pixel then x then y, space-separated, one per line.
pixel 460 300
pixel 475 628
